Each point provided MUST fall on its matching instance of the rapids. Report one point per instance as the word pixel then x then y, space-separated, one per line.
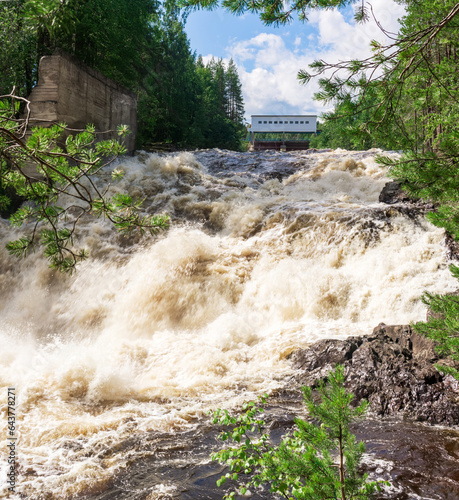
pixel 267 252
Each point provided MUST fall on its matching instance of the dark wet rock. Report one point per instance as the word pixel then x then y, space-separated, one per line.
pixel 258 166
pixel 393 369
pixel 452 248
pixel 392 193
pixel 280 172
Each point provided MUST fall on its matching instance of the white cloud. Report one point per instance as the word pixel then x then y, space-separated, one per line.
pixel 266 49
pixel 268 68
pixel 272 86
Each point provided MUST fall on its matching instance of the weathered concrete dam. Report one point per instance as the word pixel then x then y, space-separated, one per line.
pixel 69 91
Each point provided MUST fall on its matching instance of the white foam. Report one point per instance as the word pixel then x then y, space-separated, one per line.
pixel 151 336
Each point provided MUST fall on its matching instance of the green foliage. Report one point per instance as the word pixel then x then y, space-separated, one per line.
pixel 272 12
pixel 138 43
pixel 443 325
pixel 167 100
pixel 319 460
pixel 108 35
pixel 40 170
pixel 18 49
pixel 406 93
pixel 404 96
pixel 184 101
pixel 222 112
pixel 347 127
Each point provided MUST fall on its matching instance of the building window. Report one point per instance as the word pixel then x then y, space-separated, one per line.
pixel 296 123
pixel 281 121
pixel 259 121
pixel 265 122
pixel 307 122
pixel 270 122
pixel 301 122
pixel 291 122
pixel 275 122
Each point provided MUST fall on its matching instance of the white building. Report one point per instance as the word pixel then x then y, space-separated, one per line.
pixel 284 123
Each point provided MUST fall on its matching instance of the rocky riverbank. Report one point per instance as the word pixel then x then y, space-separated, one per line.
pixel 393 368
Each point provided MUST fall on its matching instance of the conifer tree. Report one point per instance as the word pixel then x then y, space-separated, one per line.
pixel 18 50
pixel 443 325
pixel 167 102
pixel 319 461
pixel 234 99
pixel 219 73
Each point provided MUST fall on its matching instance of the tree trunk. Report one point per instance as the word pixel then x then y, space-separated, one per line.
pixel 341 463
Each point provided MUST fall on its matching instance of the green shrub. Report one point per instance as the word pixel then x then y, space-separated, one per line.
pixel 319 460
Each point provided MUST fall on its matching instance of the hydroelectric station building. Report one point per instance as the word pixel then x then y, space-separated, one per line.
pixel 285 125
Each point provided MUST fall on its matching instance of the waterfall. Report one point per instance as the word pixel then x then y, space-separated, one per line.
pixel 268 252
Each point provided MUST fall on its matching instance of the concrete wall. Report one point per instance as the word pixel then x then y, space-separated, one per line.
pixel 70 92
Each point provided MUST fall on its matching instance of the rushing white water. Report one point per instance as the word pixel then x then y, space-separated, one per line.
pixel 149 335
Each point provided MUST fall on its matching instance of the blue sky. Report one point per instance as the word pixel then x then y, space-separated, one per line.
pixel 217 31
pixel 269 58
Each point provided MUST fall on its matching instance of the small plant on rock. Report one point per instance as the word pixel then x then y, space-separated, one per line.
pixel 319 460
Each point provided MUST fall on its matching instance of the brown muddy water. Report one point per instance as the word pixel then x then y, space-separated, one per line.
pixel 116 367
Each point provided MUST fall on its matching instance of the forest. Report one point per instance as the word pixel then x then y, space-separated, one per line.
pixel 140 44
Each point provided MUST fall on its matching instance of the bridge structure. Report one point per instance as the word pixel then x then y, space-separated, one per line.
pixel 281 125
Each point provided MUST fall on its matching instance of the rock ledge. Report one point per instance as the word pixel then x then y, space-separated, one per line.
pixel 393 369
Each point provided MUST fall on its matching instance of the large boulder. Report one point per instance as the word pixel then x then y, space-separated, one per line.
pixel 393 369
pixel 393 193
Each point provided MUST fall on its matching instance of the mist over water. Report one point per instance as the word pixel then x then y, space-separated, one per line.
pixel 268 252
